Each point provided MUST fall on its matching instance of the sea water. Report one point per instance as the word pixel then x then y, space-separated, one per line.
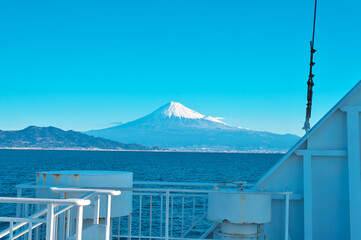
pixel 20 166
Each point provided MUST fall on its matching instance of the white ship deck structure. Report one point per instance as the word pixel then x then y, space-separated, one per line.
pixel 313 192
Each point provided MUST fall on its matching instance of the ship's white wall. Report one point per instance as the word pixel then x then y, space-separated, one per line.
pixel 329 187
pixel 330 198
pixel 330 180
pixel 276 230
pixel 287 177
pixel 331 135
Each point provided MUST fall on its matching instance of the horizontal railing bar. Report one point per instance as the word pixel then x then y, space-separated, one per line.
pixel 70 201
pixel 15 219
pixel 174 190
pixel 154 237
pixel 198 184
pixel 86 190
pixel 190 184
pixel 163 194
pixel 203 191
pixel 274 197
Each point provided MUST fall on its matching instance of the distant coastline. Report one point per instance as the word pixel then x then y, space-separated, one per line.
pixel 39 138
pixel 130 150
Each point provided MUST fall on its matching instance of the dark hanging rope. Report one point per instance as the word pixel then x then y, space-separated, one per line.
pixel 310 83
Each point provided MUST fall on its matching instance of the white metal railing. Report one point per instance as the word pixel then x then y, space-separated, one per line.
pixel 97 193
pixel 163 210
pixel 173 210
pixel 46 216
pixel 160 209
pixel 67 221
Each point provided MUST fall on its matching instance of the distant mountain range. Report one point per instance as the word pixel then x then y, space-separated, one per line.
pixel 177 127
pixel 55 138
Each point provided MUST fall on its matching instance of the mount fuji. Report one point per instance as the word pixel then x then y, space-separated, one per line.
pixel 177 127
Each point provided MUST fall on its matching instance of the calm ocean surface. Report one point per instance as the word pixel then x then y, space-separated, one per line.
pixel 19 166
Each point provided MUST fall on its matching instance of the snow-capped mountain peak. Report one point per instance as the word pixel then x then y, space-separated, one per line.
pixel 178 110
pixel 175 109
pixel 175 126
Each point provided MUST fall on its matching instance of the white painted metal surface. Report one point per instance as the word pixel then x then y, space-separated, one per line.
pixel 231 231
pixel 239 208
pixel 240 213
pixel 121 205
pixel 325 167
pixel 47 216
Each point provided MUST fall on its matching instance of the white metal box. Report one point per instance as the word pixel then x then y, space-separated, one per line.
pixel 121 205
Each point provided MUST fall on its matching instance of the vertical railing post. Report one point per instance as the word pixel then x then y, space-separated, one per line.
pixel 96 209
pixel 37 208
pixel 79 223
pixel 61 226
pixel 161 216
pixel 26 210
pixel 107 221
pixel 11 233
pixel 30 231
pixel 193 210
pixel 171 217
pixel 67 233
pixel 18 206
pixel 182 226
pixel 50 222
pixel 287 214
pixel 56 223
pixel 150 215
pixel 72 220
pixel 167 216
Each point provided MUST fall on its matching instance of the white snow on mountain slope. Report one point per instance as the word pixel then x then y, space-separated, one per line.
pixel 178 110
pixel 214 119
pixel 175 126
pixel 175 109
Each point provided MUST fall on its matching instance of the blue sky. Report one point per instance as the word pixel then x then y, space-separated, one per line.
pixel 85 64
